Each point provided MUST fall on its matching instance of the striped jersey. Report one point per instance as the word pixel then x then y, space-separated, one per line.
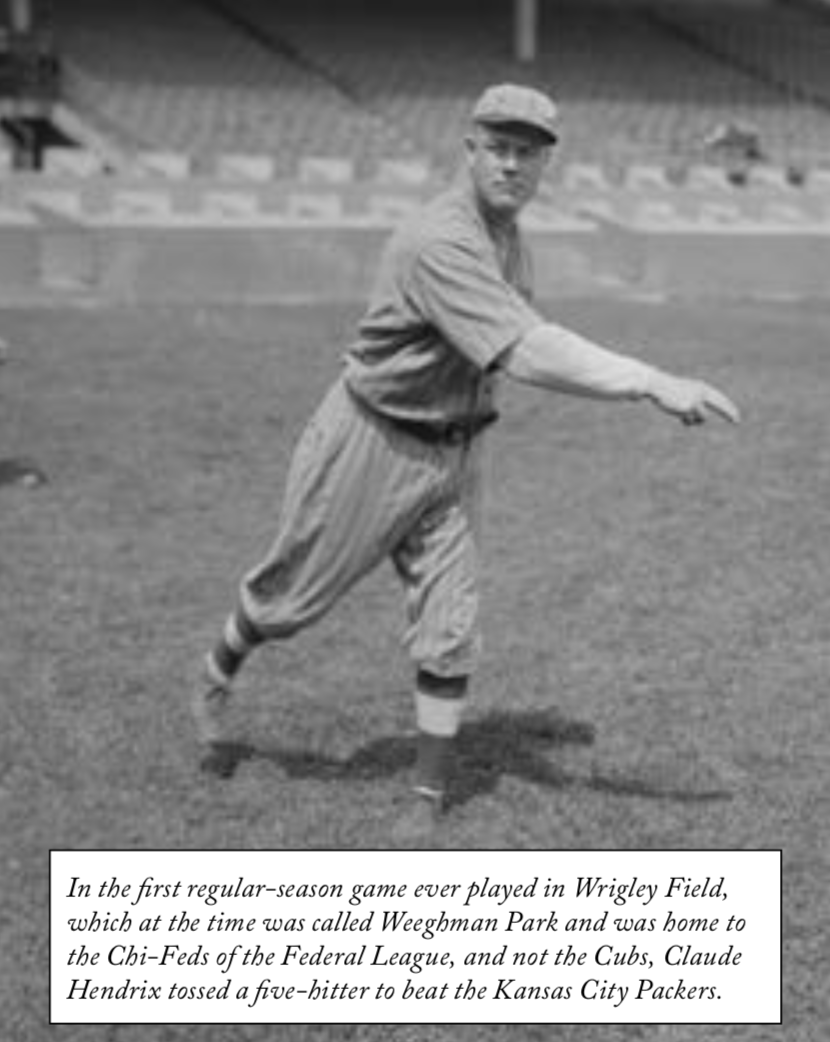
pixel 452 294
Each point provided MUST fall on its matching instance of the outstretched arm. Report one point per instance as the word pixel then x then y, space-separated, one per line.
pixel 561 360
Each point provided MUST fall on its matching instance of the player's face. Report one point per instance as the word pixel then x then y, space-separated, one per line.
pixel 506 166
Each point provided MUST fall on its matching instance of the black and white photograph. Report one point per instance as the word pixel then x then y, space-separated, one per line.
pixel 414 487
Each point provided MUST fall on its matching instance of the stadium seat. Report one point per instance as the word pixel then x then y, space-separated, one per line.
pixel 6 162
pixel 326 170
pixel 72 162
pixel 390 209
pixel 645 178
pixel 818 180
pixel 664 213
pixel 580 176
pixel 231 205
pixel 173 166
pixel 136 204
pixel 773 178
pixel 706 178
pixel 786 213
pixel 314 206
pixel 602 210
pixel 65 202
pixel 721 213
pixel 245 168
pixel 404 172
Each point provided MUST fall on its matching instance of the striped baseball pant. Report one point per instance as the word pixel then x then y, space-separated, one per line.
pixel 360 490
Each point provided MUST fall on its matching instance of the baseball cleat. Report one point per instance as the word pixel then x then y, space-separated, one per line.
pixel 420 815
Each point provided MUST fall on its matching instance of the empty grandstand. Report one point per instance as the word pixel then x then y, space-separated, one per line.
pixel 783 47
pixel 633 86
pixel 363 80
pixel 174 75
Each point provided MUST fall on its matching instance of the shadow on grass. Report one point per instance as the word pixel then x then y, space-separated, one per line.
pixel 499 744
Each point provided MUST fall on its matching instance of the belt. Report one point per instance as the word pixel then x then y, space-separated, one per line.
pixel 454 432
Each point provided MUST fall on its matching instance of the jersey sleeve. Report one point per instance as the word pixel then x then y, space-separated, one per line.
pixel 463 295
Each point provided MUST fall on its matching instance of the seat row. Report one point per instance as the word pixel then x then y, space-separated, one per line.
pixel 419 173
pixel 354 82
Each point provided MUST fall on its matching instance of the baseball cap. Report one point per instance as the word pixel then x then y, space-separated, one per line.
pixel 511 103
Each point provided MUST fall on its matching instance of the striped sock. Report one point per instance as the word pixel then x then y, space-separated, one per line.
pixel 439 704
pixel 238 640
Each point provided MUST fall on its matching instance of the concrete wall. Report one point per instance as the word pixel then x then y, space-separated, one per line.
pixel 131 242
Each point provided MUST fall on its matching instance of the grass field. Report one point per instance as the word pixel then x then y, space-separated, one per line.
pixel 658 594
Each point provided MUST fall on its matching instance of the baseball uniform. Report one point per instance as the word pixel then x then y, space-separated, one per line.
pixel 389 465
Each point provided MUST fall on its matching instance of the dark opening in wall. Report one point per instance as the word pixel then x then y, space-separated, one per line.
pixel 28 137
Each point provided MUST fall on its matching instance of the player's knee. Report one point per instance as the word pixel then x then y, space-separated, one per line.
pixel 430 683
pixel 453 658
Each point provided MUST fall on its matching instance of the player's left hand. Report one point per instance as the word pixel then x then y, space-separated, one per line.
pixel 691 401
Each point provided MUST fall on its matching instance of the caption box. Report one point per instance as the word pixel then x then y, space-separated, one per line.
pixel 330 936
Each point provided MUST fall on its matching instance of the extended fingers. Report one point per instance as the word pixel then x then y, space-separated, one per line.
pixel 718 403
pixel 710 399
pixel 691 401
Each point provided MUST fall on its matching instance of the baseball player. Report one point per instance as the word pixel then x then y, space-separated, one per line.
pixel 389 464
